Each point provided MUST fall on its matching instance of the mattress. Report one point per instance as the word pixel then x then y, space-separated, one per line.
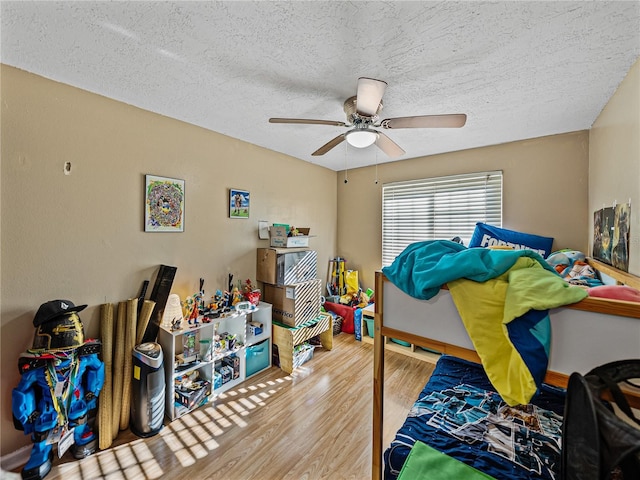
pixel 459 413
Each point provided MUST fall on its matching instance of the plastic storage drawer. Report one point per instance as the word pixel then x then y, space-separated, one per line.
pixel 258 357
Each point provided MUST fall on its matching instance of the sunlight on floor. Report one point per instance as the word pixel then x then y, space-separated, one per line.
pixel 190 437
pixel 133 460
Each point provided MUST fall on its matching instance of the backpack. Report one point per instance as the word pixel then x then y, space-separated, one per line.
pixel 596 443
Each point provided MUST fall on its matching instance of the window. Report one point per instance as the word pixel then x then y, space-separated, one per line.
pixel 438 208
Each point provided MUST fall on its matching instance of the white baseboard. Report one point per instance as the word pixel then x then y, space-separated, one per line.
pixel 15 460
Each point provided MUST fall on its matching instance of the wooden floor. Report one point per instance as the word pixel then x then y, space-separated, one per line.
pixel 313 424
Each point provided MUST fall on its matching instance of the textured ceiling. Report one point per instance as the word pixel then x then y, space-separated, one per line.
pixel 517 69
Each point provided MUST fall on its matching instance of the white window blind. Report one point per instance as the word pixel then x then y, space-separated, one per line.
pixel 438 209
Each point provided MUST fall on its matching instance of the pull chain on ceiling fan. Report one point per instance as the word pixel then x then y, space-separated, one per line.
pixel 346 167
pixel 362 112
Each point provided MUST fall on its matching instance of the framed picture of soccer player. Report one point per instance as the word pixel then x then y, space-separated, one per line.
pixel 239 203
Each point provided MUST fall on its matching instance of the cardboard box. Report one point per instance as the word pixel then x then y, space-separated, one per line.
pixel 254 329
pixel 233 362
pixel 278 237
pixel 296 304
pixel 227 373
pixel 192 397
pixel 280 266
pixel 217 380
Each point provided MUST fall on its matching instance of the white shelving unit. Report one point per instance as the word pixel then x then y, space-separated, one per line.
pixel 236 324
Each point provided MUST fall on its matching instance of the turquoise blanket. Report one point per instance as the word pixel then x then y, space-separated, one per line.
pixel 423 267
pixel 503 297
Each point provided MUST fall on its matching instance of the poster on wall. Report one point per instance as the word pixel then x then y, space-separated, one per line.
pixel 611 236
pixel 238 203
pixel 597 234
pixel 164 204
pixel 607 235
pixel 620 243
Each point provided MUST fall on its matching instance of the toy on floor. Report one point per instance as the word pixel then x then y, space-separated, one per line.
pixel 61 378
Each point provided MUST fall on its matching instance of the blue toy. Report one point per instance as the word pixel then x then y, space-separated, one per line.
pixel 573 267
pixel 564 260
pixel 62 376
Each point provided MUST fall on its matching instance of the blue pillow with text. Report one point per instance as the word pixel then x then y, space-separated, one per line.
pixel 490 236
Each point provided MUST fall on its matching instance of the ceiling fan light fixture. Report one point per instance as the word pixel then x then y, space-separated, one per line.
pixel 361 138
pixel 362 112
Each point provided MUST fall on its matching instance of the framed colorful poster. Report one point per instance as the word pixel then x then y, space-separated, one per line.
pixel 163 204
pixel 620 244
pixel 238 203
pixel 611 235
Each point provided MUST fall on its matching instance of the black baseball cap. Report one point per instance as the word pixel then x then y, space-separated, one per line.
pixel 55 308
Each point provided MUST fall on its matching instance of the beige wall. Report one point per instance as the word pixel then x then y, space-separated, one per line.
pixel 80 236
pixel 544 192
pixel 614 159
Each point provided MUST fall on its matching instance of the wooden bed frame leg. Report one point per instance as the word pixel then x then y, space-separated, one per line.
pixel 378 387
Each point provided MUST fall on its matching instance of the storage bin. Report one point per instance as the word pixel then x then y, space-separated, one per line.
pixel 258 357
pixel 286 338
pixel 337 324
pixel 370 325
pixel 302 353
pixel 400 342
pixel 279 238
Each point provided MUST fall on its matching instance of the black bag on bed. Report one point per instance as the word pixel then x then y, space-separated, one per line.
pixel 596 443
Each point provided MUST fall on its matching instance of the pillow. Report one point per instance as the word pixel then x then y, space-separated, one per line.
pixel 615 292
pixel 489 236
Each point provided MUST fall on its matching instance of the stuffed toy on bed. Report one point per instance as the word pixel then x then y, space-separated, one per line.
pixel 573 267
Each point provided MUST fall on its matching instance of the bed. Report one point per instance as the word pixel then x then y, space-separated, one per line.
pixel 583 335
pixel 458 407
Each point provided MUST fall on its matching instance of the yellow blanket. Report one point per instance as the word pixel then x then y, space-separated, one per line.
pixel 486 308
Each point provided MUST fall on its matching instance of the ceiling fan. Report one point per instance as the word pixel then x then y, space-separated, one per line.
pixel 362 118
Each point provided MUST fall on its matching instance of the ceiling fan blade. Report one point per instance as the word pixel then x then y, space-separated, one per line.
pixel 426 121
pixel 329 145
pixel 306 121
pixel 388 146
pixel 370 92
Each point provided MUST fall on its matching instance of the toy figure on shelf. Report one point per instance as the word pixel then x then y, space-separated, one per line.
pixel 176 324
pixel 61 378
pixel 191 310
pixel 200 306
pixel 236 296
pixel 216 301
pixel 194 306
pixel 248 286
pixel 218 305
pixel 230 290
pixel 193 318
pixel 231 341
pixel 251 293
